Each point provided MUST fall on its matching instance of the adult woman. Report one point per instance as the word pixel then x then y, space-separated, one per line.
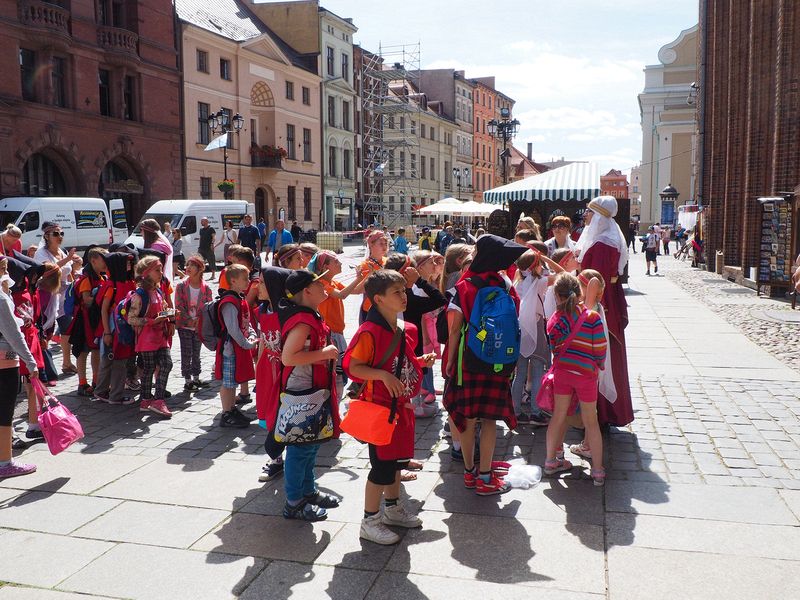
pixel 178 259
pixel 602 247
pixel 229 237
pixel 528 223
pixel 155 240
pixel 50 250
pixel 11 240
pixel 560 226
pixel 12 349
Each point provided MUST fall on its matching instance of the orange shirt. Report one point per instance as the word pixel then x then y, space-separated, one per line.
pixel 366 268
pixel 223 279
pixel 332 309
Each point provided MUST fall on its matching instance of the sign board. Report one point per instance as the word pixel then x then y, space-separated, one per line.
pixel 125 186
pixel 236 218
pixel 775 256
pixel 118 218
pixel 499 223
pixel 90 219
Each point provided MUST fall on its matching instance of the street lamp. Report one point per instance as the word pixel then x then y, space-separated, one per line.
pixel 457 173
pixel 222 122
pixel 504 129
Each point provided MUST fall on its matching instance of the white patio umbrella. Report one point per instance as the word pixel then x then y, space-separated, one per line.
pixel 445 206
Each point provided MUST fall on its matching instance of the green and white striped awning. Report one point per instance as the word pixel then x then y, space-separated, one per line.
pixel 575 181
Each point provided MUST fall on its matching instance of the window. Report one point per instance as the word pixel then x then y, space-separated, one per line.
pixel 345 67
pixel 402 123
pixel 104 84
pixel 290 90
pixel 433 169
pixel 30 221
pixel 346 115
pixel 225 69
pixel 391 162
pixel 331 111
pixel 332 161
pixel 391 203
pixel 346 164
pixel 484 151
pixel 253 133
pixel 307 204
pixel 27 69
pixel 306 145
pixel 202 61
pixel 433 133
pixel 130 98
pixel 290 201
pixel 402 164
pixel 290 147
pixel 329 51
pixel 391 122
pixel 203 130
pixel 447 171
pixel 205 188
pixel 189 223
pixel 413 127
pixel 413 165
pixel 422 129
pixel 58 75
pixel 229 116
pixel 422 164
pixel 306 96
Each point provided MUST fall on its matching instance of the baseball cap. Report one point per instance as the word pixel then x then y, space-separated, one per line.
pixel 299 280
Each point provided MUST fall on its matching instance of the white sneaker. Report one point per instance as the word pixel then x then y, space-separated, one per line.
pixel 398 517
pixel 373 530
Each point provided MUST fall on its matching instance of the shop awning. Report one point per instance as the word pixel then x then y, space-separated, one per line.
pixel 575 181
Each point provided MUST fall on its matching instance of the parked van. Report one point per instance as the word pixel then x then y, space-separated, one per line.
pixel 186 215
pixel 85 220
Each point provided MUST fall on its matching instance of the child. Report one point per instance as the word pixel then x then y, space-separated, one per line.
pixel 562 259
pixel 391 384
pixel 327 265
pixel 454 259
pixel 85 329
pixel 234 361
pixel 309 356
pixel 153 333
pixel 651 249
pixel 114 355
pixel 400 242
pixel 288 256
pixel 430 266
pixel 480 395
pixel 377 248
pixel 190 296
pixel 308 251
pixel 576 361
pixel 425 241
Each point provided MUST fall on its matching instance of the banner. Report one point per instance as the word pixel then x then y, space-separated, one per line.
pixel 219 142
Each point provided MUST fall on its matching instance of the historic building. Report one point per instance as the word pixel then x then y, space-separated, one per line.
pixel 635 191
pixel 234 63
pixel 614 183
pixel 485 158
pixel 749 113
pixel 522 165
pixel 669 128
pixel 89 104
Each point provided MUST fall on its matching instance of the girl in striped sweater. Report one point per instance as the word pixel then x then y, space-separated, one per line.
pixel 575 374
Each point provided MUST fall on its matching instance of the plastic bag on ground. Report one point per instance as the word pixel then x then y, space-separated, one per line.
pixel 523 476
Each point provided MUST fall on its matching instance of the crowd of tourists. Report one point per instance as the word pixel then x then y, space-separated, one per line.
pixel 492 316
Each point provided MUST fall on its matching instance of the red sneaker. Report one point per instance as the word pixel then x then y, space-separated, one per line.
pixel 469 480
pixel 494 486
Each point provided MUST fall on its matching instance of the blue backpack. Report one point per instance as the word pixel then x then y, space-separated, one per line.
pixel 490 339
pixel 125 333
pixel 69 297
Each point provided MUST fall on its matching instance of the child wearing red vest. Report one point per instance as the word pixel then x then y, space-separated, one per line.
pixel 234 359
pixel 393 384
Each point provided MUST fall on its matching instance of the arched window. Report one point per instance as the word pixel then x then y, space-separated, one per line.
pixel 42 177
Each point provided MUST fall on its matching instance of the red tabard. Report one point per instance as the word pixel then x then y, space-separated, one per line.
pixel 402 445
pixel 268 369
pixel 121 351
pixel 27 309
pixel 245 371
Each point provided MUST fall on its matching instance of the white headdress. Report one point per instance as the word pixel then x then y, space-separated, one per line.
pixel 603 228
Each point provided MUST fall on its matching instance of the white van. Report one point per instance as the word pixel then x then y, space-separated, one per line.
pixel 85 220
pixel 186 215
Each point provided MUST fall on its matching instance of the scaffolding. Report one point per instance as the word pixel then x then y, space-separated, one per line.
pixel 391 110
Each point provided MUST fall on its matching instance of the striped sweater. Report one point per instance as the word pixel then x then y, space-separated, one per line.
pixel 587 350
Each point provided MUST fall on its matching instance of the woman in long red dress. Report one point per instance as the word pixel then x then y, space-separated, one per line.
pixel 602 247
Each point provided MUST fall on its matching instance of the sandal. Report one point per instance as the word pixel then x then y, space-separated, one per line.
pixel 551 467
pixel 414 465
pixel 581 450
pixel 406 476
pixel 69 370
pixel 322 500
pixel 598 477
pixel 304 512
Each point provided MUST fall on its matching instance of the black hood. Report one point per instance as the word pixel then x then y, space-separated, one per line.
pixel 23 270
pixel 275 282
pixel 495 253
pixel 118 266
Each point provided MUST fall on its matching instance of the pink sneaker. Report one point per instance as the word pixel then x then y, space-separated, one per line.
pixel 144 405
pixel 160 408
pixel 15 469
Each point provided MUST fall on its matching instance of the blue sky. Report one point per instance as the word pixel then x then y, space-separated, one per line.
pixel 574 67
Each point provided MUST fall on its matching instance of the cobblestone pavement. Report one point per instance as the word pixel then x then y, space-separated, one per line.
pixel 703 491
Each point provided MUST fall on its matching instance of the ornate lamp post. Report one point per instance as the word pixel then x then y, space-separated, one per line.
pixel 221 122
pixel 457 174
pixel 504 129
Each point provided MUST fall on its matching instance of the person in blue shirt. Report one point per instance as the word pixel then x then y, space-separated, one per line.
pixel 400 242
pixel 278 237
pixel 262 230
pixel 249 235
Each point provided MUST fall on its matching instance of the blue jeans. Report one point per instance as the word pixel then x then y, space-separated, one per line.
pixel 427 381
pixel 537 368
pixel 298 471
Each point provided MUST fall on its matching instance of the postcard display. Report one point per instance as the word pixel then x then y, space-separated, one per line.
pixel 776 259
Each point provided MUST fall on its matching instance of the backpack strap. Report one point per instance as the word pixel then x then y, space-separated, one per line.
pixel 573 332
pixel 399 368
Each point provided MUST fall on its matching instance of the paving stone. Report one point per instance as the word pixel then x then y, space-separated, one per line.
pixel 9 592
pixel 285 580
pixel 52 513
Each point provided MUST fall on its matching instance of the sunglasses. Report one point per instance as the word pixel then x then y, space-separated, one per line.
pixel 560 226
pixel 57 233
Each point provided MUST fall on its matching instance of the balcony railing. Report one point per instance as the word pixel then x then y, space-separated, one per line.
pixel 264 161
pixel 118 40
pixel 44 15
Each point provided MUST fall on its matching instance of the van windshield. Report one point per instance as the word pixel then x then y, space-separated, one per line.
pixel 172 219
pixel 8 216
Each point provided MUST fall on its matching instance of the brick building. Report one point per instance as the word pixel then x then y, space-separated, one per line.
pixel 485 159
pixel 614 183
pixel 89 104
pixel 749 114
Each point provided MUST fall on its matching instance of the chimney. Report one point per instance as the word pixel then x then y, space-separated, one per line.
pixel 530 151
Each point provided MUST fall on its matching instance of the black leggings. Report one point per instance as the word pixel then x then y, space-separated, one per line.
pixel 9 384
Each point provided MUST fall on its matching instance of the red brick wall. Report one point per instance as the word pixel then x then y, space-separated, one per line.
pixel 78 138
